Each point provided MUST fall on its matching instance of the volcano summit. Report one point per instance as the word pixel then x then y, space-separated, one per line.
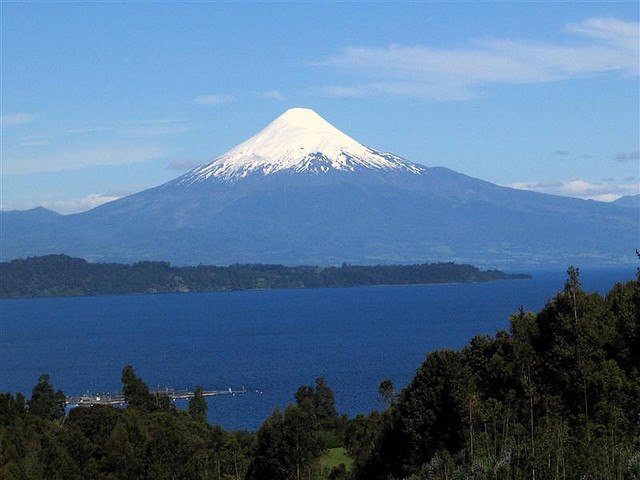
pixel 302 192
pixel 299 140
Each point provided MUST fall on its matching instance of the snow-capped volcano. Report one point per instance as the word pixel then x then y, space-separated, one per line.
pixel 299 140
pixel 301 192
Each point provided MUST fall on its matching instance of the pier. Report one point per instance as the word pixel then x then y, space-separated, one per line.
pixel 117 398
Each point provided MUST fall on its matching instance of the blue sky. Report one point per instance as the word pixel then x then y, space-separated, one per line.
pixel 100 100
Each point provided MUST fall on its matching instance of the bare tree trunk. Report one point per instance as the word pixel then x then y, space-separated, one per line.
pixel 297 460
pixel 471 433
pixel 533 448
pixel 235 464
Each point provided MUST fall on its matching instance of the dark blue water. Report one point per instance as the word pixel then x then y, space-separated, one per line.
pixel 271 341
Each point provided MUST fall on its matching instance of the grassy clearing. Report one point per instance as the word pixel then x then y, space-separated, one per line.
pixel 336 456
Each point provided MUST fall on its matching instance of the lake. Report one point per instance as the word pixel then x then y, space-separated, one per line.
pixel 269 341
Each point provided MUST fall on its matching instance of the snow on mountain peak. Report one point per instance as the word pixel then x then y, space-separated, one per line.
pixel 303 118
pixel 299 140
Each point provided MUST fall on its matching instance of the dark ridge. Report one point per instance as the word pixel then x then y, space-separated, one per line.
pixel 61 275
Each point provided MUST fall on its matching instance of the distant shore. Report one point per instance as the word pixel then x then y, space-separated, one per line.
pixel 63 276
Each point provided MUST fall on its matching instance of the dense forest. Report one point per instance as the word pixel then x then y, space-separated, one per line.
pixel 60 275
pixel 557 396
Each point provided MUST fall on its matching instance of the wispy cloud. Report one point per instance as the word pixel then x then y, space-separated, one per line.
pixel 271 95
pixel 35 141
pixel 62 206
pixel 605 190
pixel 628 157
pixel 213 99
pixel 13 119
pixel 611 30
pixel 81 204
pixel 183 165
pixel 84 130
pixel 161 126
pixel 411 89
pixel 140 128
pixel 599 45
pixel 155 121
pixel 81 159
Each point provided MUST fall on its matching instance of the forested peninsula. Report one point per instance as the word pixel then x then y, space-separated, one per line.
pixel 556 396
pixel 61 275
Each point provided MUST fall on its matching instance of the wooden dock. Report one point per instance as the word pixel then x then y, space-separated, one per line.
pixel 117 398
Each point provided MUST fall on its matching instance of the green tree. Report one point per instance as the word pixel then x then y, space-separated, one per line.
pixel 289 445
pixel 386 393
pixel 136 392
pixel 325 403
pixel 45 402
pixel 361 436
pixel 11 409
pixel 198 405
pixel 271 460
pixel 624 302
pixel 429 417
pixel 302 441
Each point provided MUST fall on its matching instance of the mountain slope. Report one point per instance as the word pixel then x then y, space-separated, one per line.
pixel 302 192
pixel 630 201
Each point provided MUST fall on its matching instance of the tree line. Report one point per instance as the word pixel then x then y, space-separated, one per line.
pixel 556 396
pixel 61 275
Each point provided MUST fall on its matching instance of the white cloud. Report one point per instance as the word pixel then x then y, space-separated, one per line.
pixel 63 206
pixel 13 119
pixel 604 45
pixel 77 160
pixel 605 190
pixel 79 205
pixel 213 99
pixel 611 30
